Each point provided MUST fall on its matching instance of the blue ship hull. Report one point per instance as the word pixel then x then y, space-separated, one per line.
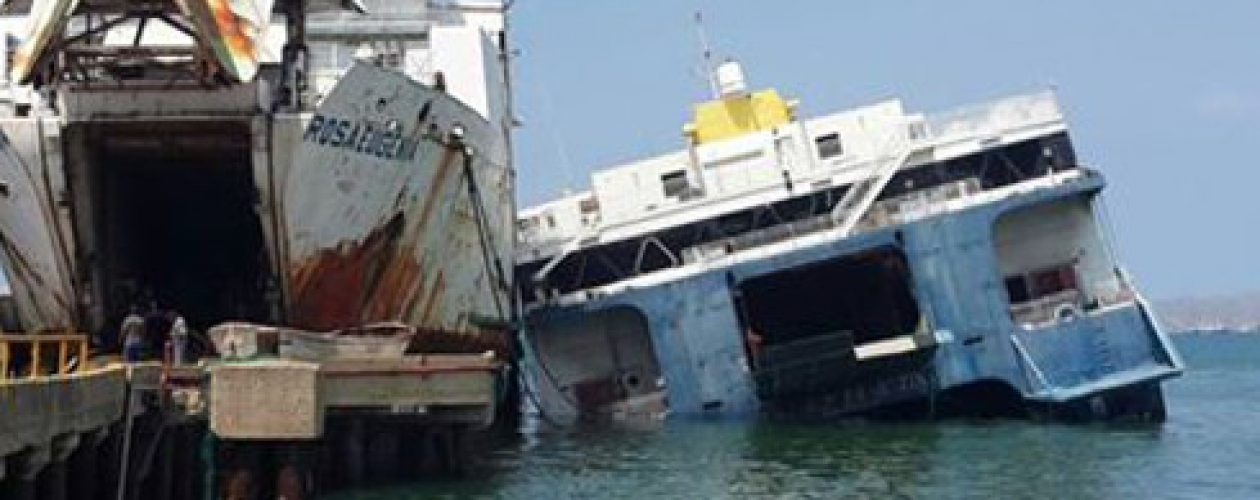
pixel 968 352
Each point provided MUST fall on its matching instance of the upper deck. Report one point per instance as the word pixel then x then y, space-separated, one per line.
pixel 803 159
pixel 111 58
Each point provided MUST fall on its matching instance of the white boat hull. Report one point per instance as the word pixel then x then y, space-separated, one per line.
pixel 382 223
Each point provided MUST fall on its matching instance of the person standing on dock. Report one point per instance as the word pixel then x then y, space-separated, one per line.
pixel 179 338
pixel 132 334
pixel 155 329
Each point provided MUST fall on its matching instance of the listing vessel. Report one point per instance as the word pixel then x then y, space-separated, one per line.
pixel 875 261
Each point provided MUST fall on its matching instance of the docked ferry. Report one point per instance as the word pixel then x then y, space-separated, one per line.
pixel 876 261
pixel 327 181
pixel 319 164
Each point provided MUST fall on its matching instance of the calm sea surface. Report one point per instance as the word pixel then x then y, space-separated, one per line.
pixel 1209 448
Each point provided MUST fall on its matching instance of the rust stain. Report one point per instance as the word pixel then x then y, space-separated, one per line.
pixel 330 288
pixel 417 292
pixel 439 287
pixel 378 279
pixel 391 280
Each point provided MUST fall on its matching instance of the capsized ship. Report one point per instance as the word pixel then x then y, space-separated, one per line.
pixel 318 164
pixel 874 261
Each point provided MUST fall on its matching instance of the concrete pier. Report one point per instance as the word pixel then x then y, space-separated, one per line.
pixel 51 431
pixel 295 427
pixel 265 428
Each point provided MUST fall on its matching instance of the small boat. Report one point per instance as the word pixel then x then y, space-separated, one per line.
pixel 239 340
pixel 376 341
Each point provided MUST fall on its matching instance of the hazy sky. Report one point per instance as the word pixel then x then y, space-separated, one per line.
pixel 1162 96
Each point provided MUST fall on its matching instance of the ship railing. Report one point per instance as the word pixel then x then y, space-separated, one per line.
pixel 757 238
pixel 1048 308
pixel 1119 296
pixel 901 209
pixel 888 212
pixel 1002 114
pixel 1067 305
pixel 41 354
pixel 857 200
pixel 531 249
pixel 917 205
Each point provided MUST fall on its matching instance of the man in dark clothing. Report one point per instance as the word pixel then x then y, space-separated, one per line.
pixel 155 329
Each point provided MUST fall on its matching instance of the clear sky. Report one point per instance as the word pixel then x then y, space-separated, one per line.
pixel 1163 96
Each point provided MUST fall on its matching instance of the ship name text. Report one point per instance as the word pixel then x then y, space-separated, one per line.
pixel 362 136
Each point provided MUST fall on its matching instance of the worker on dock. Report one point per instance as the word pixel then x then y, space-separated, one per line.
pixel 132 334
pixel 155 329
pixel 179 338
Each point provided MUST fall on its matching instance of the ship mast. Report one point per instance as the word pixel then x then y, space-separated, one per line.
pixel 706 56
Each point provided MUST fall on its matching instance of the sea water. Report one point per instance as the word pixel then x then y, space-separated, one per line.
pixel 1208 448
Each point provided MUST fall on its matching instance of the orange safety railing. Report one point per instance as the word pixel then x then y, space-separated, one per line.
pixel 39 346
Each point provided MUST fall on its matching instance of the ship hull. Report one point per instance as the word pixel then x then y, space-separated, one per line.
pixel 398 208
pixel 35 259
pixel 909 320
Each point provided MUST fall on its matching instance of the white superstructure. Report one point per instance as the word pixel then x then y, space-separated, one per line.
pixel 772 164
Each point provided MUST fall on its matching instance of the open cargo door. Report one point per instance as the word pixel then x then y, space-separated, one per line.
pixel 41 288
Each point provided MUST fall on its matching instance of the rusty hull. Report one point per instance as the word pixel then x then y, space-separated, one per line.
pixel 376 279
pixel 380 220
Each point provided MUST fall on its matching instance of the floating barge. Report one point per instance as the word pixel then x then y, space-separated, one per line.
pixel 298 165
pixel 874 261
